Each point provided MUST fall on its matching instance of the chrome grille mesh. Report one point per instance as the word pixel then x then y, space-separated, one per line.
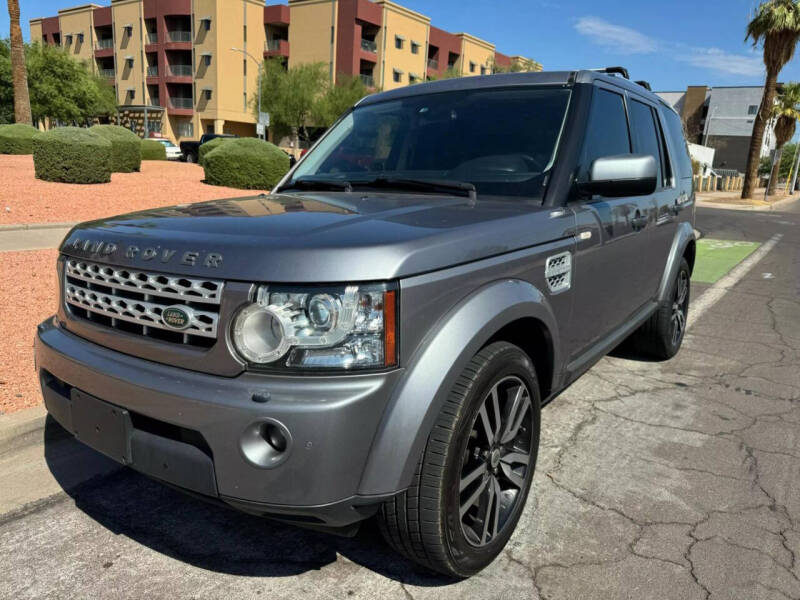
pixel 133 301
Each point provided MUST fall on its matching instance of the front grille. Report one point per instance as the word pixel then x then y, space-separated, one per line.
pixel 133 301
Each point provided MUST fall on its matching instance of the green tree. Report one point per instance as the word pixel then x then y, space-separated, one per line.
pixel 450 73
pixel 786 114
pixel 776 26
pixel 336 99
pixel 289 96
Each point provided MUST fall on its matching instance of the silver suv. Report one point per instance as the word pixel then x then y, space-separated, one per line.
pixel 377 336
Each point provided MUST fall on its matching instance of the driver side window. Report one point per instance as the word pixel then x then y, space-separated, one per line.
pixel 607 132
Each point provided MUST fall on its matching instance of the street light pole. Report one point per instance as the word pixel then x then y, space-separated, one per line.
pixel 260 73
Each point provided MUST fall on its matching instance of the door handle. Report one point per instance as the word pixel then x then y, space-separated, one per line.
pixel 639 222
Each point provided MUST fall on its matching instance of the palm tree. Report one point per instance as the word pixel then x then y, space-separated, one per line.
pixel 777 26
pixel 786 114
pixel 19 75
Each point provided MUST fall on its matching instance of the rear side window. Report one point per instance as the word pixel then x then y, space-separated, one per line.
pixel 683 164
pixel 607 132
pixel 645 135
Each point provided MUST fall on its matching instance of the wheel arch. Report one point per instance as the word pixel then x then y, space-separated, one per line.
pixel 683 245
pixel 534 338
pixel 497 310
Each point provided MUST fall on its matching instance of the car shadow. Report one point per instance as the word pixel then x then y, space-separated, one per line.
pixel 210 536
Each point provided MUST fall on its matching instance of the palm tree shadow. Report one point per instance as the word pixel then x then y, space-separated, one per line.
pixel 210 536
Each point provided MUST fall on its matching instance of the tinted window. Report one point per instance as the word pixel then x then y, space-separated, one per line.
pixel 683 163
pixel 607 132
pixel 643 128
pixel 503 141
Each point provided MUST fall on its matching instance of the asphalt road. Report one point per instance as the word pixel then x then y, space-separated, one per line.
pixel 670 480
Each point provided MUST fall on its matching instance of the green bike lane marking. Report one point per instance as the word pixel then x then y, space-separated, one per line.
pixel 715 258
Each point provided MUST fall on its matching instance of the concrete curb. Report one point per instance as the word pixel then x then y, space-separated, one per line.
pixel 15 425
pixel 747 207
pixel 26 226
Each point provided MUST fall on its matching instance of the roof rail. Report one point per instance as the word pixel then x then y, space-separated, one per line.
pixel 614 71
pixel 645 85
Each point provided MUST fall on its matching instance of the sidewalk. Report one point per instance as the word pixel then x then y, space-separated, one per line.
pixel 34 236
pixel 734 201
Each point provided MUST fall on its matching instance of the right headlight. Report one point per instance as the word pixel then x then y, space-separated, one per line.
pixel 304 327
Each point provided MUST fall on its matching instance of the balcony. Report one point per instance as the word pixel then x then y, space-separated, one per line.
pixel 104 48
pixel 367 80
pixel 107 73
pixel 276 15
pixel 369 46
pixel 179 70
pixel 180 36
pixel 152 71
pixel 105 43
pixel 276 48
pixel 433 64
pixel 152 37
pixel 180 105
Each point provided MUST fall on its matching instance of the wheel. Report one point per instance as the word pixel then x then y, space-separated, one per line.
pixel 473 477
pixel 190 158
pixel 660 337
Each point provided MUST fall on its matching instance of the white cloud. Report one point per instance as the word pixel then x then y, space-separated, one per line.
pixel 616 37
pixel 718 60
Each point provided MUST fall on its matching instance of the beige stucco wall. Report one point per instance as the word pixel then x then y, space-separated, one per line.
pixel 410 25
pixel 475 50
pixel 75 21
pixel 126 12
pixel 310 31
pixel 36 30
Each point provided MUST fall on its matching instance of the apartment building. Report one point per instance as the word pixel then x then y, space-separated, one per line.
pixel 182 68
pixel 722 118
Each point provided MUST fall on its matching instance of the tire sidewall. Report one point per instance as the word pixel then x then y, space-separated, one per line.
pixel 466 558
pixel 666 316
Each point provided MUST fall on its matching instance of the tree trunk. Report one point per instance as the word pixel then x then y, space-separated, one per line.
pixel 19 74
pixel 296 141
pixel 776 169
pixel 757 139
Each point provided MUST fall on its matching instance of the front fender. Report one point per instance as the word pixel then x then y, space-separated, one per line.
pixel 417 400
pixel 683 237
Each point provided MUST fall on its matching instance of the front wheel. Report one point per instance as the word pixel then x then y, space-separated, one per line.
pixel 473 478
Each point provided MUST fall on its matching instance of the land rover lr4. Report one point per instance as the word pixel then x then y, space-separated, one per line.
pixel 376 336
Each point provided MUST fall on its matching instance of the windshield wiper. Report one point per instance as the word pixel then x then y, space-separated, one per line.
pixel 461 188
pixel 319 184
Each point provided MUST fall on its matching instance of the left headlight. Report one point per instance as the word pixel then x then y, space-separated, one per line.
pixel 346 327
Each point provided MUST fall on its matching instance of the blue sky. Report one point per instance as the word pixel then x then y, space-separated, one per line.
pixel 671 43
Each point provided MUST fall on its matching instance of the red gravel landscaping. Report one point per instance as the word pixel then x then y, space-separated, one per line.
pixel 25 199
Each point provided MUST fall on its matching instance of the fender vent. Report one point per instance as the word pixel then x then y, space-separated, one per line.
pixel 558 272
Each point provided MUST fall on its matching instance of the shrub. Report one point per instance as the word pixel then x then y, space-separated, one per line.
pixel 153 150
pixel 17 138
pixel 72 155
pixel 209 146
pixel 126 147
pixel 246 163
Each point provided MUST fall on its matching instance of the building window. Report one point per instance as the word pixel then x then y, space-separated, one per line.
pixel 752 109
pixel 398 42
pixel 472 67
pixel 244 33
pixel 185 129
pixel 397 76
pixel 483 70
pixel 414 48
pixel 244 66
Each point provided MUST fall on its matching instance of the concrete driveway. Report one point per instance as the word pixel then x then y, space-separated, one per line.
pixel 670 480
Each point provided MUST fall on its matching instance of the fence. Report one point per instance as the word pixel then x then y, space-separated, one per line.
pixel 725 183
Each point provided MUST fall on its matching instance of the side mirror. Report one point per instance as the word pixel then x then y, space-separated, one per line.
pixel 621 175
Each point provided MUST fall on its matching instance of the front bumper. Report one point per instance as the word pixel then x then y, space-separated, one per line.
pixel 198 422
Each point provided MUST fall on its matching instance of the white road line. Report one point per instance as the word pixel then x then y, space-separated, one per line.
pixel 715 293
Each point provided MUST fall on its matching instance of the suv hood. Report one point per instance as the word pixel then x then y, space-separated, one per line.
pixel 316 237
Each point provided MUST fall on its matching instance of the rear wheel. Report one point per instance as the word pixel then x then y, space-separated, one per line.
pixel 190 158
pixel 475 473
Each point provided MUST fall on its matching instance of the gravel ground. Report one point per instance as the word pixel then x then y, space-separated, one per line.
pixel 27 297
pixel 25 199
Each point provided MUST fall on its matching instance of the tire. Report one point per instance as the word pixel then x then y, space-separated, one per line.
pixel 661 336
pixel 190 158
pixel 425 522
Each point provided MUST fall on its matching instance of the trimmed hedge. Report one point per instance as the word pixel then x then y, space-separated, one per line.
pixel 246 163
pixel 72 155
pixel 209 146
pixel 17 138
pixel 153 150
pixel 126 147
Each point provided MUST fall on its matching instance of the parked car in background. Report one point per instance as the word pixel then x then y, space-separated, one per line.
pixel 173 152
pixel 190 150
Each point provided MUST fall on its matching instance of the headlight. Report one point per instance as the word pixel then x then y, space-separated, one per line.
pixel 352 327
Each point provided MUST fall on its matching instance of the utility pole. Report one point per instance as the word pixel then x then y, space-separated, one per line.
pixel 260 73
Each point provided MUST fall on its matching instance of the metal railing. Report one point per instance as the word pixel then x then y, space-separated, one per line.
pixel 181 70
pixel 105 44
pixel 273 45
pixel 433 64
pixel 107 73
pixel 180 36
pixel 152 71
pixel 152 37
pixel 369 45
pixel 181 102
pixel 368 80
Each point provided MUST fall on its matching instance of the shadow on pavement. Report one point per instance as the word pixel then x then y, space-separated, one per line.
pixel 209 536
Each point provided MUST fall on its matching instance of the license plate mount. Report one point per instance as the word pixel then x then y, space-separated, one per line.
pixel 102 426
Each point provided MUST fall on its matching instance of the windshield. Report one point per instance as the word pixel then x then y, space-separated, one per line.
pixel 503 141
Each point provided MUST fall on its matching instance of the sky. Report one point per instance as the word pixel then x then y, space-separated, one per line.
pixel 670 43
